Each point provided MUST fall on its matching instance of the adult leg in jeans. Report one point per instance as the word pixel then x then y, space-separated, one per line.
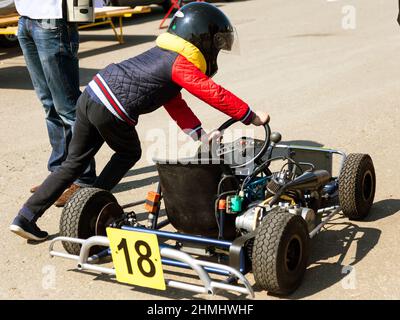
pixel 50 49
pixel 85 143
pixel 54 123
pixel 58 54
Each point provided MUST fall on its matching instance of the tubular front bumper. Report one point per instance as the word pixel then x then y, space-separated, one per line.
pixel 200 267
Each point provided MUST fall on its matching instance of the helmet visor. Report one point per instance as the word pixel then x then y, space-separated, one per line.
pixel 228 42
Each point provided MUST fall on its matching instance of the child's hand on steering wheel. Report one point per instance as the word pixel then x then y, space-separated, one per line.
pixel 260 118
pixel 210 139
pixel 213 135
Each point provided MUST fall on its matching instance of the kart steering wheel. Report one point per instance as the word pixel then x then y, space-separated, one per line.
pixel 242 145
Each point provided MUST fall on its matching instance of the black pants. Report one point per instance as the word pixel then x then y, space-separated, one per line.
pixel 94 125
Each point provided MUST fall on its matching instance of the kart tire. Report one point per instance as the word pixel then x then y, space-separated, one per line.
pixel 280 253
pixel 79 216
pixel 357 183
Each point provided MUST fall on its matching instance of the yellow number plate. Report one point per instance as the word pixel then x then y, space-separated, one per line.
pixel 136 257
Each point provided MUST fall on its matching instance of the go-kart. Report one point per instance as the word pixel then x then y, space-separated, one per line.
pixel 231 217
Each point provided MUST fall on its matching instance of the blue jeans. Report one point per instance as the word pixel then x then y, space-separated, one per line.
pixel 50 48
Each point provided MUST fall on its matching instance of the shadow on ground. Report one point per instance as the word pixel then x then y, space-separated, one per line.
pixel 137 183
pixel 50 237
pixel 134 172
pixel 336 243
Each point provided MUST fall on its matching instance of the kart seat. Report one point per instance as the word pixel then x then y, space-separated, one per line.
pixel 190 191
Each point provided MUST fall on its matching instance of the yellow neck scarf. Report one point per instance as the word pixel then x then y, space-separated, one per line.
pixel 169 41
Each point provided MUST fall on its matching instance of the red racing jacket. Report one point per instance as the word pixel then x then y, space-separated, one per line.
pixel 156 77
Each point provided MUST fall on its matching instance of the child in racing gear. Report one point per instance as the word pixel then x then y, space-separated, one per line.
pixel 109 108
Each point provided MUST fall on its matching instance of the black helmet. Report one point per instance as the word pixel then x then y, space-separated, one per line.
pixel 205 26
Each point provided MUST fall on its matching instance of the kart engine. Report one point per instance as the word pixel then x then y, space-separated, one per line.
pixel 252 217
pixel 286 192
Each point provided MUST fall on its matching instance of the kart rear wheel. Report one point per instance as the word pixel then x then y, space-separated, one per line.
pixel 87 213
pixel 357 183
pixel 280 253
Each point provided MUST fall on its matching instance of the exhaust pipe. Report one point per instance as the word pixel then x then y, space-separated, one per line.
pixel 307 181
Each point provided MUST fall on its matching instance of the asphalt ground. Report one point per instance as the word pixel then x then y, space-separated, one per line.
pixel 326 72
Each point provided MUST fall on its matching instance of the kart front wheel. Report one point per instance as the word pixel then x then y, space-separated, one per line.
pixel 357 184
pixel 87 213
pixel 280 252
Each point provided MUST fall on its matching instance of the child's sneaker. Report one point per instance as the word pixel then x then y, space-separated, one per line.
pixel 27 230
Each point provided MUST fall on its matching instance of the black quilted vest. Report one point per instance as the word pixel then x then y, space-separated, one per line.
pixel 143 83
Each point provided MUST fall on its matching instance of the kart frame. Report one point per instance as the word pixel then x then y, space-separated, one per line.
pixel 233 273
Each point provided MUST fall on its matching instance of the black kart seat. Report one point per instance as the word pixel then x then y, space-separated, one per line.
pixel 190 192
